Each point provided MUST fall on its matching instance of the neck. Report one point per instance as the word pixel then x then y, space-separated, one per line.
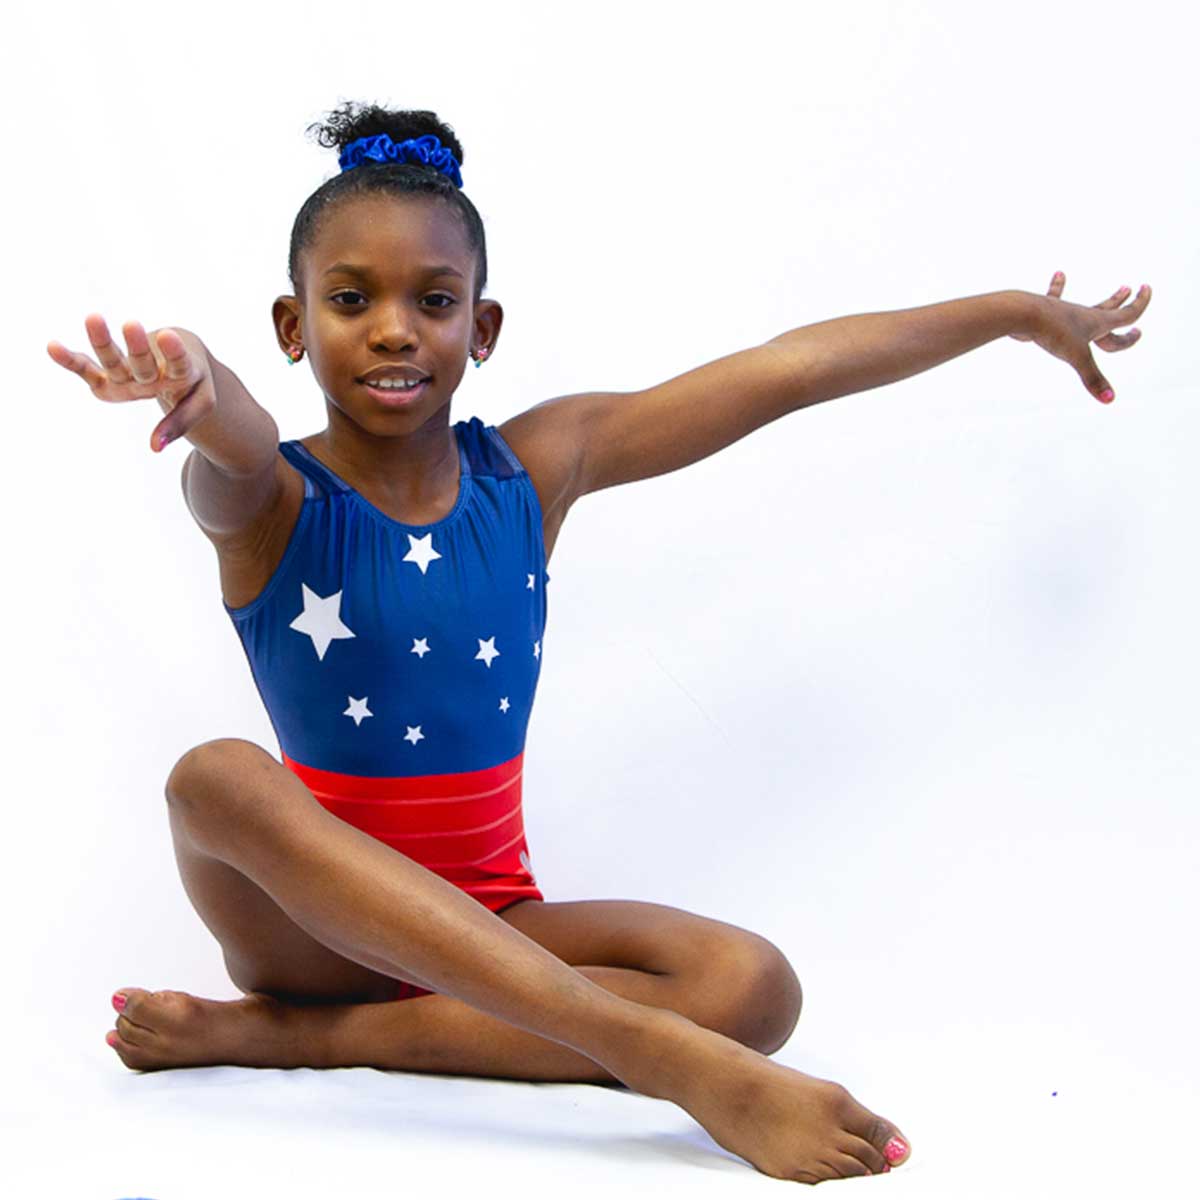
pixel 417 466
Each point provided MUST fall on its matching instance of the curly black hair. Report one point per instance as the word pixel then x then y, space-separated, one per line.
pixel 350 122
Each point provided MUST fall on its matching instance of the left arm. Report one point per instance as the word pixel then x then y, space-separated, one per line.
pixel 624 436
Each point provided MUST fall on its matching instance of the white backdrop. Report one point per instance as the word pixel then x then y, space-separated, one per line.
pixel 904 681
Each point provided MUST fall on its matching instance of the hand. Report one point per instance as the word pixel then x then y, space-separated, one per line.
pixel 1067 330
pixel 173 369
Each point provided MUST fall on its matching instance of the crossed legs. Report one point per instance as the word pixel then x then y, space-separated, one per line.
pixel 312 1004
pixel 506 1004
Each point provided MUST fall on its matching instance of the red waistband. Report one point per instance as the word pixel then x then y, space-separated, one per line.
pixel 468 827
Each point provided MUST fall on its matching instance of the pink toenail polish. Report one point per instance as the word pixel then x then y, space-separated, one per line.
pixel 118 1001
pixel 894 1149
pixel 111 1037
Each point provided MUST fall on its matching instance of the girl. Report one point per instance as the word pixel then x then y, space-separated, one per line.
pixel 371 889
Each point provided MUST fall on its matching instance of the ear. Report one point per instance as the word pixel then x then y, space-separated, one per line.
pixel 285 315
pixel 489 316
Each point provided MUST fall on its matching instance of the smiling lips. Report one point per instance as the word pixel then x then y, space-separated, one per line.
pixel 396 395
pixel 403 374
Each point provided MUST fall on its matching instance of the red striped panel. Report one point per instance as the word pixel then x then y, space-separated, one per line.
pixel 465 827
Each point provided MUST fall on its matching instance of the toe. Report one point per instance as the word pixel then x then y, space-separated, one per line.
pixel 126 999
pixel 136 1058
pixel 896 1149
pixel 884 1137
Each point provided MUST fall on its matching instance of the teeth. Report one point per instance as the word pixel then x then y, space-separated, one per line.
pixel 392 383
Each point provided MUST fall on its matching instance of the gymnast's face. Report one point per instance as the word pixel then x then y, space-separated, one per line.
pixel 388 280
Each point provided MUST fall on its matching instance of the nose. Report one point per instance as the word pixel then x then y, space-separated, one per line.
pixel 394 327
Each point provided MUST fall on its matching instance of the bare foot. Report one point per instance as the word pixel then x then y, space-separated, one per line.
pixel 787 1124
pixel 157 1030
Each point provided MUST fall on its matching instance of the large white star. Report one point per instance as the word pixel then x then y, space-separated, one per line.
pixel 420 647
pixel 487 650
pixel 414 734
pixel 358 710
pixel 421 551
pixel 504 704
pixel 321 619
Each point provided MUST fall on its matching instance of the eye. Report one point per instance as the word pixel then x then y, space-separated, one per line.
pixel 450 300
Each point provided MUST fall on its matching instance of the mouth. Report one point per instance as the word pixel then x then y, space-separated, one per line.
pixel 397 397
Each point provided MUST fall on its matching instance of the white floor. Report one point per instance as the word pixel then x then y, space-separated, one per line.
pixel 1016 1111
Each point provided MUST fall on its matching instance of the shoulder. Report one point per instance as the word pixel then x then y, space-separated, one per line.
pixel 550 440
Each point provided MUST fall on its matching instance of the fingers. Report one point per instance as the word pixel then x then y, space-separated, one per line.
pixel 1135 307
pixel 111 359
pixel 175 353
pixel 1129 313
pixel 1123 316
pixel 1115 300
pixel 112 373
pixel 1118 341
pixel 142 362
pixel 79 363
pixel 1093 380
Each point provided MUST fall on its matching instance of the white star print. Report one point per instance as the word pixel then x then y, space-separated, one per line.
pixel 321 619
pixel 529 585
pixel 504 704
pixel 525 863
pixel 414 734
pixel 421 551
pixel 487 650
pixel 358 710
pixel 537 649
pixel 420 647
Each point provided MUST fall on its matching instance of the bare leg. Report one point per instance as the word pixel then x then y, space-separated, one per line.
pixel 380 909
pixel 436 1033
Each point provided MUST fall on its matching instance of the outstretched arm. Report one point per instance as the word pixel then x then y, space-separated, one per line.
pixel 624 436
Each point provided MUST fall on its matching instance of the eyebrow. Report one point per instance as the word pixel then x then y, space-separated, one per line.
pixel 367 273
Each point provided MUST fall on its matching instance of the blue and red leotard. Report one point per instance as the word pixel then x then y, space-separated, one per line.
pixel 398 663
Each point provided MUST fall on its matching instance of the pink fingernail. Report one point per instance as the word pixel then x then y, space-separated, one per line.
pixel 118 1001
pixel 111 1037
pixel 1107 395
pixel 894 1149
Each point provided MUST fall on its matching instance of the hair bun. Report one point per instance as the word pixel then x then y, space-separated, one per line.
pixel 352 122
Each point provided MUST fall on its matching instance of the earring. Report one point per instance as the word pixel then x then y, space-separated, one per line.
pixel 479 358
pixel 294 354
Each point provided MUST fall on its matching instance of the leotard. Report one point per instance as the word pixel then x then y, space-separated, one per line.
pixel 398 663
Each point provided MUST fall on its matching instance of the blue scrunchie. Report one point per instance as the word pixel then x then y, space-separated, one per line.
pixel 427 149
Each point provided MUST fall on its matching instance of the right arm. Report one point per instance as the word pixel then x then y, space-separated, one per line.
pixel 231 479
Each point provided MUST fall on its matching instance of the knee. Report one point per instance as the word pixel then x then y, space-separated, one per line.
pixel 770 997
pixel 197 777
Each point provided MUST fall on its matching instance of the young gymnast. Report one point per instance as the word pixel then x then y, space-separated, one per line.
pixel 387 579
